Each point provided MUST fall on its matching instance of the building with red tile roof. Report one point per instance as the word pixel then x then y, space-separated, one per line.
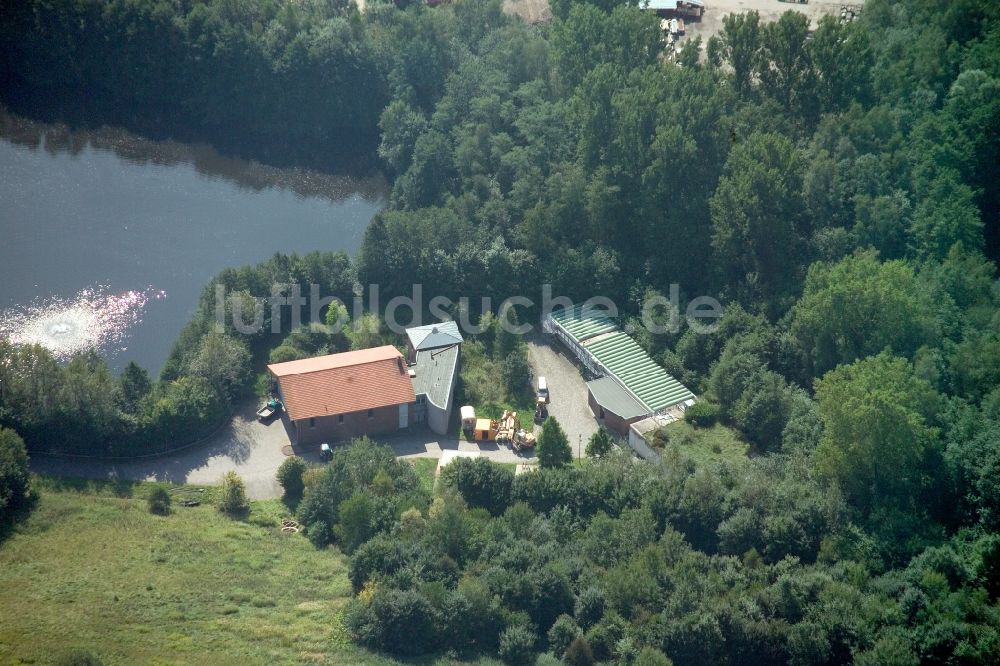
pixel 339 396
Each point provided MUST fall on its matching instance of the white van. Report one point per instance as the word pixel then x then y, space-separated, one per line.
pixel 543 389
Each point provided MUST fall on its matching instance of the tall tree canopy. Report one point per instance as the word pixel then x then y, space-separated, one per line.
pixel 758 229
pixel 878 430
pixel 858 307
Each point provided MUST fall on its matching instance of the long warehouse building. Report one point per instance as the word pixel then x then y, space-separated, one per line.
pixel 630 386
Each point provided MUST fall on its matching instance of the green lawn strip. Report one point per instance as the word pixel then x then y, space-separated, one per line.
pixel 425 468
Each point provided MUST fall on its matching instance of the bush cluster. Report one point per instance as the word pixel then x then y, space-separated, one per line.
pixel 578 560
pixel 159 502
pixel 15 479
pixel 702 414
pixel 291 477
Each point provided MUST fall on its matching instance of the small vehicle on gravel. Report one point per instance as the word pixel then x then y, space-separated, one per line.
pixel 325 452
pixel 541 410
pixel 271 409
pixel 543 389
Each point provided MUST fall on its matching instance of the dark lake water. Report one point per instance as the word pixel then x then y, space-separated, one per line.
pixel 107 239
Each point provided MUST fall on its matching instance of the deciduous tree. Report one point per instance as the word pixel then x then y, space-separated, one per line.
pixel 758 230
pixel 858 307
pixel 878 430
pixel 600 443
pixel 741 43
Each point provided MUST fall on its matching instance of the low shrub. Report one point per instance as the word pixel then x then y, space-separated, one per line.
pixel 702 414
pixel 233 496
pixel 290 476
pixel 481 482
pixel 397 621
pixel 78 658
pixel 159 502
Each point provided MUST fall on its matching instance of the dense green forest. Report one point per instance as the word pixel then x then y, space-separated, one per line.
pixel 277 80
pixel 614 562
pixel 836 190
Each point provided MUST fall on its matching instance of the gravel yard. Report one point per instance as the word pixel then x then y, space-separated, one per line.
pixel 567 389
pixel 532 11
pixel 255 450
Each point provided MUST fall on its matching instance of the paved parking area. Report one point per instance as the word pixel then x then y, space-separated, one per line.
pixel 251 449
pixel 422 443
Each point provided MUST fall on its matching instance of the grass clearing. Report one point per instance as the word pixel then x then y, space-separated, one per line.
pixel 715 444
pixel 91 569
pixel 523 404
pixel 481 386
pixel 425 468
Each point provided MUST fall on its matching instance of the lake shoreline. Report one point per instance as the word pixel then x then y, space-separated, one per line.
pixel 111 213
pixel 355 160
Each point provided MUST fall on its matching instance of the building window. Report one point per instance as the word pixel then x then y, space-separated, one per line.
pixel 340 418
pixel 371 413
pixel 312 422
pixel 602 412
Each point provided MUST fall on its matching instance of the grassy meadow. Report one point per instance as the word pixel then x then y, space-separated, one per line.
pixel 425 468
pixel 91 569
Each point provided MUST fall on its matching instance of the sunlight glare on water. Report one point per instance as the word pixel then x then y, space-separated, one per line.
pixel 93 319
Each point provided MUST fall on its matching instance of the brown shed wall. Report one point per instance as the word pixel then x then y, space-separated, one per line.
pixel 384 420
pixel 611 421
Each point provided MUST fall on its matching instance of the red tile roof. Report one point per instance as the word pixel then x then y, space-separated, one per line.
pixel 343 383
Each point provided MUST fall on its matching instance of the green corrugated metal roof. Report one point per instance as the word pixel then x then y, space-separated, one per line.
pixel 583 323
pixel 626 360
